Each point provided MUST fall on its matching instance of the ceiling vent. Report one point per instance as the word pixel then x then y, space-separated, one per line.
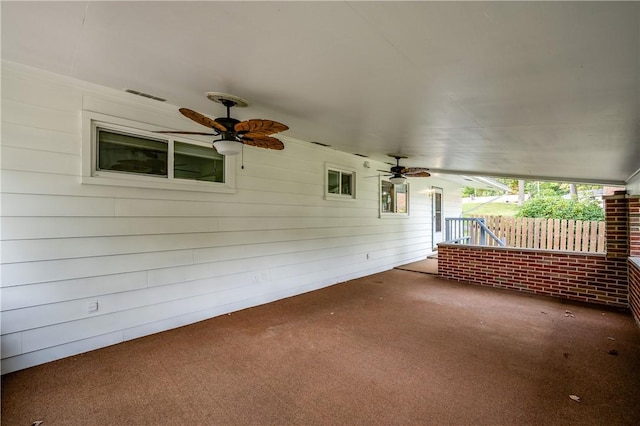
pixel 145 95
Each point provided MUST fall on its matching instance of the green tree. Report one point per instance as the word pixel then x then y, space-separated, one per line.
pixel 531 187
pixel 560 208
pixel 468 191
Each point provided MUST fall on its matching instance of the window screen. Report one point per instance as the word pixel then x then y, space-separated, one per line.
pixel 339 182
pixel 393 198
pixel 333 183
pixel 131 154
pixel 195 162
pixel 437 207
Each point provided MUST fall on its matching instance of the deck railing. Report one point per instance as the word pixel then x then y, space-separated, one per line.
pixel 470 230
pixel 543 234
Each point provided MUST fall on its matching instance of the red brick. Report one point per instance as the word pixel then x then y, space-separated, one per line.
pixel 575 276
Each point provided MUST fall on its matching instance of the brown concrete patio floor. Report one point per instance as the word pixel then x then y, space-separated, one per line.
pixel 397 347
pixel 427 266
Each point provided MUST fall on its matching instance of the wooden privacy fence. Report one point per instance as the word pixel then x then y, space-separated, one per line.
pixel 548 234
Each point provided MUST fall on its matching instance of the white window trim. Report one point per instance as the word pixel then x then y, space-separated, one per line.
pixel 91 176
pixel 341 169
pixel 387 215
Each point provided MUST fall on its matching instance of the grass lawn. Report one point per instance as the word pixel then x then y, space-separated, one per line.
pixel 489 209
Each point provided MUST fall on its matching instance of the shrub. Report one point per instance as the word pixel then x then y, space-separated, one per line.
pixel 559 208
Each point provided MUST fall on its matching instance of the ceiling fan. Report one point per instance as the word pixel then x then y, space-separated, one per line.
pixel 399 174
pixel 234 133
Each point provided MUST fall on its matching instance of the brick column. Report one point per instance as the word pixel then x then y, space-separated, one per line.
pixel 634 225
pixel 634 252
pixel 617 225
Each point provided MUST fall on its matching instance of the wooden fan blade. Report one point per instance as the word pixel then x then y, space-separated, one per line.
pixel 180 132
pixel 416 172
pixel 414 169
pixel 264 127
pixel 262 141
pixel 202 119
pixel 419 174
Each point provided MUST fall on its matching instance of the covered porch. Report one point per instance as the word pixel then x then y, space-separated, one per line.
pixel 268 299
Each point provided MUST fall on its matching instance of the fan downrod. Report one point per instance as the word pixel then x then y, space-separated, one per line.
pixel 229 101
pixel 397 168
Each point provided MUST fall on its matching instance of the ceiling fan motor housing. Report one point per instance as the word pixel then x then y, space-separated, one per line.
pixel 228 136
pixel 228 122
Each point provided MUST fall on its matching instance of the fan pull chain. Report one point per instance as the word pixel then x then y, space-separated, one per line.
pixel 242 157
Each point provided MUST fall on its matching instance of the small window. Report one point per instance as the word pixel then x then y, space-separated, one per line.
pixel 437 211
pixel 131 154
pixel 121 152
pixel 333 177
pixel 394 198
pixel 340 183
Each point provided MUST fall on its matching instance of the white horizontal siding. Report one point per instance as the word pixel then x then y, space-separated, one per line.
pixel 20 182
pixel 27 114
pixel 60 291
pixel 155 259
pixel 27 137
pixel 47 90
pixel 31 160
pixel 25 205
pixel 19 228
pixel 56 270
pixel 159 208
pixel 203 243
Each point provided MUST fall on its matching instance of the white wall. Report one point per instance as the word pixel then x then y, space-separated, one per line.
pixel 633 186
pixel 156 259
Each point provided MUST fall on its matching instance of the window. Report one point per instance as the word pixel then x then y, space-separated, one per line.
pixel 340 183
pixel 118 152
pixel 196 162
pixel 125 153
pixel 126 156
pixel 437 211
pixel 394 198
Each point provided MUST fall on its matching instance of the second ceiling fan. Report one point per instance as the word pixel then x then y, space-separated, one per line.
pixel 234 133
pixel 399 174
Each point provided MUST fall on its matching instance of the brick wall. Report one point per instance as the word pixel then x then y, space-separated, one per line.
pixel 612 279
pixel 591 278
pixel 633 207
pixel 634 288
pixel 617 225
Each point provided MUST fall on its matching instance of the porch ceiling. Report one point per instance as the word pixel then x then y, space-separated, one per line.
pixel 523 89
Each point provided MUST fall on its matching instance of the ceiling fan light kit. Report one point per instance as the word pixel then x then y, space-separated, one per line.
pixel 226 147
pixel 234 133
pixel 398 180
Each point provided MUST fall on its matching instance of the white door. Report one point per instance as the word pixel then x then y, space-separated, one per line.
pixel 438 219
